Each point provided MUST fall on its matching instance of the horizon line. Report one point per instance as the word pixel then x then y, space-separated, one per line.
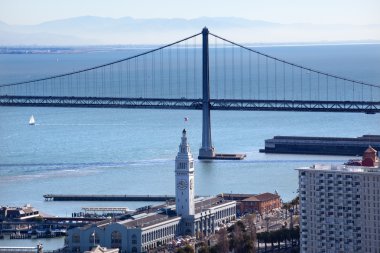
pixel 187 19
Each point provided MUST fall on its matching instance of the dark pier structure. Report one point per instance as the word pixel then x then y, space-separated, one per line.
pixel 64 197
pixel 321 145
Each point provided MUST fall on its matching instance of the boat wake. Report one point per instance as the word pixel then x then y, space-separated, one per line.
pixel 31 171
pixel 81 124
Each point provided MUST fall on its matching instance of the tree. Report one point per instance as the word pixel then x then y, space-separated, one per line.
pixel 285 236
pixel 251 229
pixel 295 235
pixel 186 249
pixel 237 239
pixel 259 238
pixel 295 202
pixel 214 249
pixel 272 238
pixel 276 236
pixel 287 207
pixel 265 238
pixel 222 242
pixel 248 244
pixel 203 249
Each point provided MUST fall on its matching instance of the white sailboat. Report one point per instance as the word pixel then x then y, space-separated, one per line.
pixel 32 121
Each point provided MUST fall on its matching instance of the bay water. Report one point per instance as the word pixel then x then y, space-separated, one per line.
pixel 132 151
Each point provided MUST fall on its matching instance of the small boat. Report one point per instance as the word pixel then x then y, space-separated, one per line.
pixel 32 121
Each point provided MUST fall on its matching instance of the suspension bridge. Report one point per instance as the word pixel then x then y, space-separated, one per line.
pixel 189 74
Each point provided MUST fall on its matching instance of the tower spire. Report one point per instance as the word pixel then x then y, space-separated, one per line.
pixel 184 178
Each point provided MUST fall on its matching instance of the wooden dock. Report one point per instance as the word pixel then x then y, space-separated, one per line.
pixel 64 197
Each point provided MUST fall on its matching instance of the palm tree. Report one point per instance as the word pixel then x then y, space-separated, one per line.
pixel 286 206
pixel 259 238
pixel 265 236
pixel 279 237
pixel 295 202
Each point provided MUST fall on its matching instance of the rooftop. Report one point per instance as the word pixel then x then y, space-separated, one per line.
pixel 202 204
pixel 146 219
pixel 342 168
pixel 235 196
pixel 261 197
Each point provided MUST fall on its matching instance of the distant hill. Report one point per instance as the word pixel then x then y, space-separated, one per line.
pixel 90 30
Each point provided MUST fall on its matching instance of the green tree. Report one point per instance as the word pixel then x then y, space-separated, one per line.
pixel 186 249
pixel 265 238
pixel 215 249
pixel 222 241
pixel 237 238
pixel 251 230
pixel 203 249
pixel 295 202
pixel 248 244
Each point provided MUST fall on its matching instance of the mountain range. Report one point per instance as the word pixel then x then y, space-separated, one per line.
pixel 91 30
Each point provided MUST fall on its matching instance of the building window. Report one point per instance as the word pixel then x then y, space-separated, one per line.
pixel 115 239
pixel 134 240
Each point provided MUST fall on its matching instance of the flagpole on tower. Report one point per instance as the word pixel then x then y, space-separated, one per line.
pixel 186 119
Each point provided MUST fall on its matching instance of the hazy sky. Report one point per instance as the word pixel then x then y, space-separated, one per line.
pixel 282 11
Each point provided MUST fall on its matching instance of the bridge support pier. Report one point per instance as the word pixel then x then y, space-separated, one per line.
pixel 207 151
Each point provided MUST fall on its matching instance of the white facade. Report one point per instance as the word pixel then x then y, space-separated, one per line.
pixel 184 179
pixel 144 231
pixel 129 236
pixel 340 209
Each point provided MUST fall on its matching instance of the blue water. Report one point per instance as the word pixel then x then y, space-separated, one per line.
pixel 125 151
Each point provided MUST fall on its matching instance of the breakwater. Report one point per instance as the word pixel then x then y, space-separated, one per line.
pixel 321 145
pixel 65 197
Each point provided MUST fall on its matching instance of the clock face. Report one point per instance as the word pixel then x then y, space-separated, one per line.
pixel 182 185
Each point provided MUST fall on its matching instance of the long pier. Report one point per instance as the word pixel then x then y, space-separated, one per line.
pixel 321 145
pixel 64 197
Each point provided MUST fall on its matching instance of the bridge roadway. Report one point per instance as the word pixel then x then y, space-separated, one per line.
pixel 64 197
pixel 194 104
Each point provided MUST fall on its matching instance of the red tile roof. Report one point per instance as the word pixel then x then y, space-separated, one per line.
pixel 262 197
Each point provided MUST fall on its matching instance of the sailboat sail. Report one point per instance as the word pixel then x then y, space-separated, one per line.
pixel 32 120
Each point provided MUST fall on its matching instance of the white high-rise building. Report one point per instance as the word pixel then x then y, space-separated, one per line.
pixel 184 179
pixel 340 207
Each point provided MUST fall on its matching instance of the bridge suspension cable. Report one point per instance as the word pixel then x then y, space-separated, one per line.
pixel 293 64
pixel 103 65
pixel 279 79
pixel 158 73
pixel 170 76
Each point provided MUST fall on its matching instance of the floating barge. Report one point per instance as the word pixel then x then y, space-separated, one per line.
pixel 321 145
pixel 223 157
pixel 64 197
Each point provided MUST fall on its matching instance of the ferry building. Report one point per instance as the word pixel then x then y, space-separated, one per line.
pixel 143 231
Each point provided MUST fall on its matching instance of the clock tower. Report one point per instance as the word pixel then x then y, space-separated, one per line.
pixel 184 179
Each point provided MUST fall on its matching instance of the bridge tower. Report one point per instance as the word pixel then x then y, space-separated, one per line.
pixel 207 150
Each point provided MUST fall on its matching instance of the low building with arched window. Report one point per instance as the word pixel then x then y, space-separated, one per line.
pixel 151 227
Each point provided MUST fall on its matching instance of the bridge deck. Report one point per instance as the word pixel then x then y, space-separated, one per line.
pixel 194 104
